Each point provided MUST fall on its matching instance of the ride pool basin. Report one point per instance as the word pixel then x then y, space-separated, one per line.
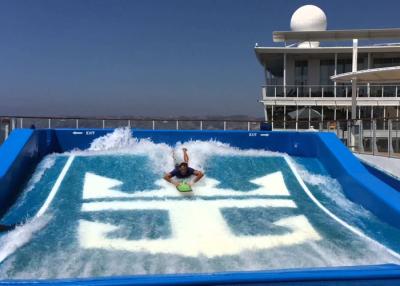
pixel 106 211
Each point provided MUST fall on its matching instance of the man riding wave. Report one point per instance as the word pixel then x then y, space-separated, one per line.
pixel 183 171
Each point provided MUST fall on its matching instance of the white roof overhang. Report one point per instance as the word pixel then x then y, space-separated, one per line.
pixel 336 35
pixel 379 75
pixel 328 50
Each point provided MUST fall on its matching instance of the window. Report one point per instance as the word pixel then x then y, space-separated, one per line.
pixel 386 62
pixel 327 69
pixel 301 76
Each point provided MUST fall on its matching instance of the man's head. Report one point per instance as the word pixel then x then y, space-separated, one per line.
pixel 183 167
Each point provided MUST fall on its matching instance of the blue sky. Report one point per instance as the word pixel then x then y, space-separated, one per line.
pixel 149 58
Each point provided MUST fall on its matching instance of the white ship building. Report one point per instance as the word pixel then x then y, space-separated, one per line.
pixel 306 80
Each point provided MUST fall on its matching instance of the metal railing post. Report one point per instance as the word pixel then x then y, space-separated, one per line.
pixel 348 139
pixel 77 123
pixel 371 135
pixel 177 125
pixel 397 150
pixel 104 124
pixel 201 124
pixel 153 124
pixel 374 147
pixel 21 122
pixel 49 123
pixel 360 137
pixel 390 137
pixel 248 125
pixel 337 129
pixel 129 123
pixel 224 125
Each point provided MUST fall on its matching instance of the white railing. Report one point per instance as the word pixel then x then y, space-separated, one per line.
pixel 378 136
pixel 323 91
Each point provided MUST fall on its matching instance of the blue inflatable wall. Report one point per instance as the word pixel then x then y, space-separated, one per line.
pixel 25 148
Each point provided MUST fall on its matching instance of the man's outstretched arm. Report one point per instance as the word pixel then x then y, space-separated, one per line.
pixel 168 178
pixel 198 175
pixel 185 155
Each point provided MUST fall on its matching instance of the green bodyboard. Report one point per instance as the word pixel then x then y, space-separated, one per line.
pixel 184 187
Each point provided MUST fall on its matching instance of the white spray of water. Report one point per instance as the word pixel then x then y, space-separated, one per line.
pixel 47 163
pixel 163 156
pixel 332 189
pixel 42 167
pixel 21 235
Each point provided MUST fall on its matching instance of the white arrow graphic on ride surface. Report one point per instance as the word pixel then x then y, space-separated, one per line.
pixel 190 238
pixel 96 186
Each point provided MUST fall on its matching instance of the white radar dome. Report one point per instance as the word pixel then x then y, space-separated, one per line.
pixel 308 18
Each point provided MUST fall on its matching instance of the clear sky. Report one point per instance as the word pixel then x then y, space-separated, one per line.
pixel 148 57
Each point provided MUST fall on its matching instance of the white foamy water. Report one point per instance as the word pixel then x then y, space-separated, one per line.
pixel 332 189
pixel 41 168
pixel 21 235
pixel 164 156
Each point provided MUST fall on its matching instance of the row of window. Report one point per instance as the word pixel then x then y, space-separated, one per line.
pixel 325 113
pixel 274 70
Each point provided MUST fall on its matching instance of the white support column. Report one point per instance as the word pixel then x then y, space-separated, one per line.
pixel 354 81
pixel 6 131
pixel 284 117
pixel 284 74
pixel 265 113
pixel 369 66
pixel 264 93
pixel 334 90
pixel 334 113
pixel 272 116
pixel 322 114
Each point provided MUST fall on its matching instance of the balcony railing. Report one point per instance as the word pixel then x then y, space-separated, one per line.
pixel 377 136
pixel 323 91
